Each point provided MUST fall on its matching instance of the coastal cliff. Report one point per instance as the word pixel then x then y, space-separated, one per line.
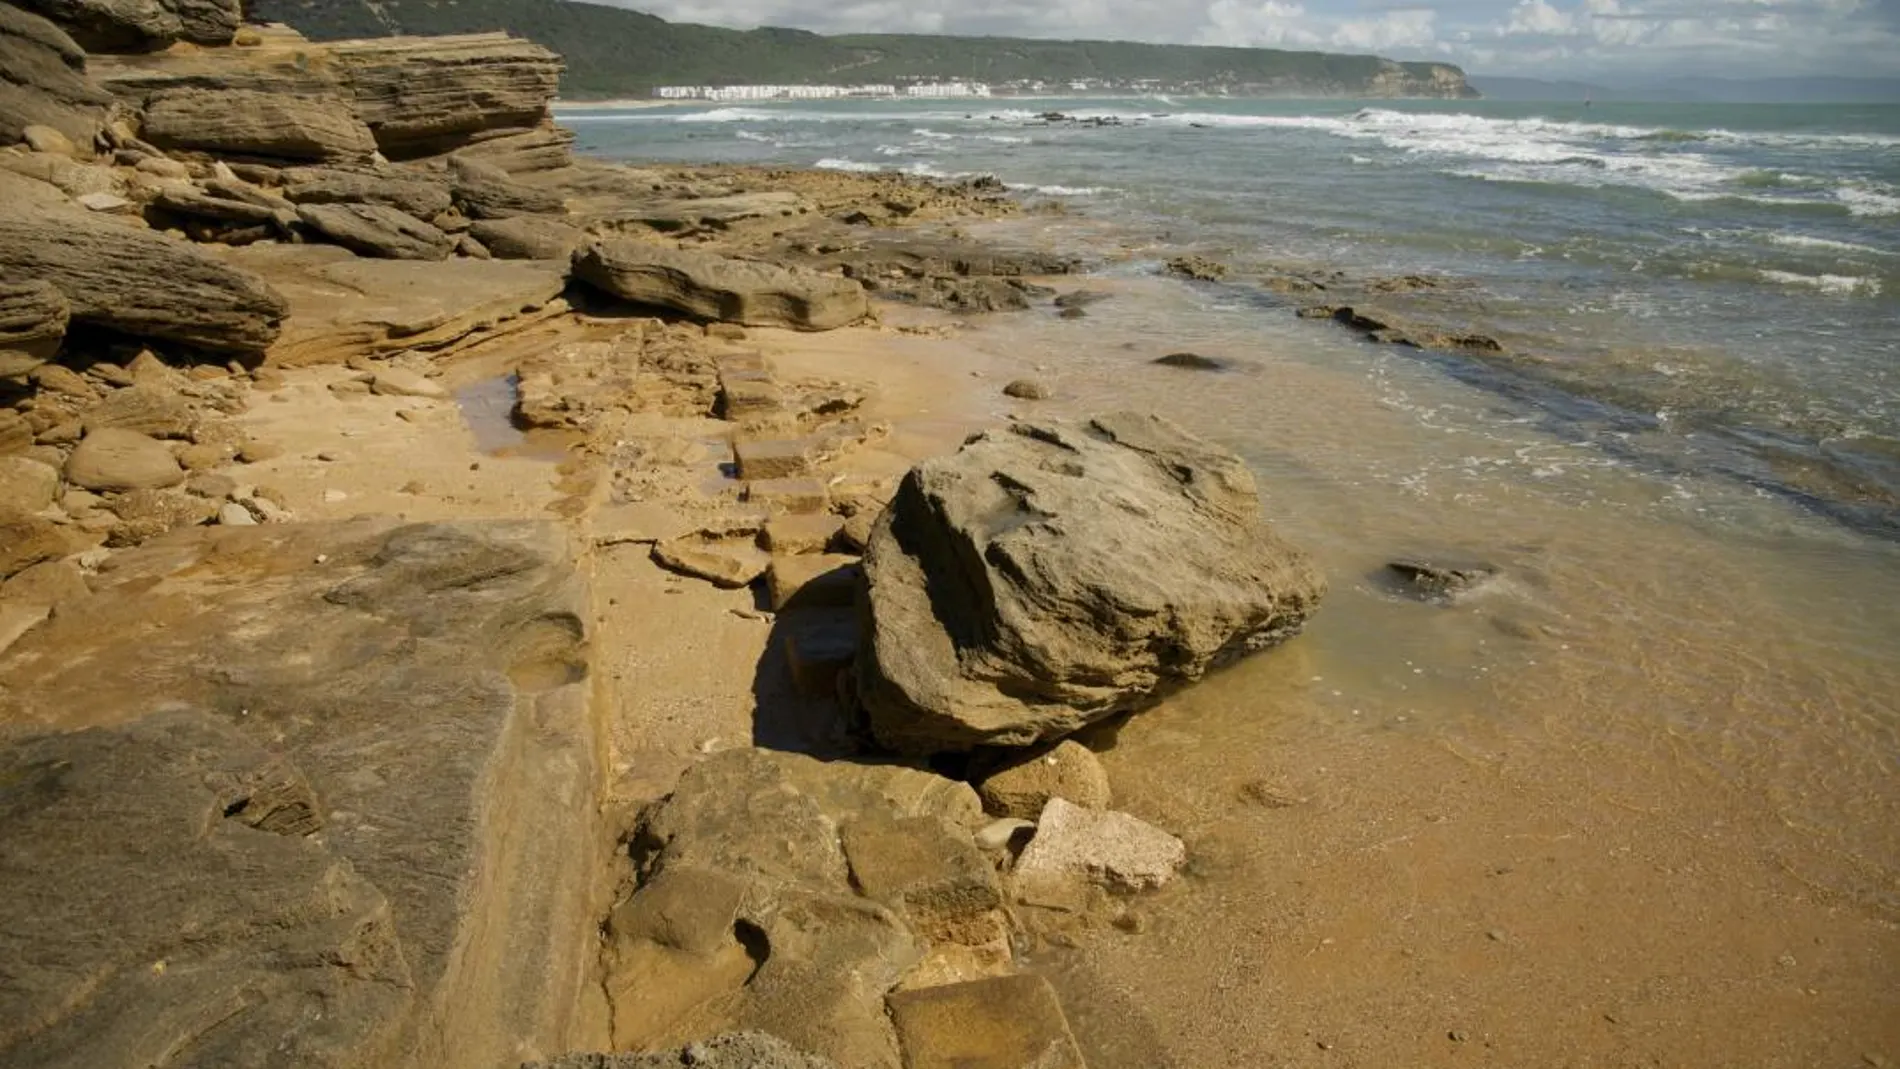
pixel 614 52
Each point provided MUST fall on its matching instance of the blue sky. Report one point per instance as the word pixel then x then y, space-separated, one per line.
pixel 1606 40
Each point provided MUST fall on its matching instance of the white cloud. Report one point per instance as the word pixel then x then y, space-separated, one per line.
pixel 1538 17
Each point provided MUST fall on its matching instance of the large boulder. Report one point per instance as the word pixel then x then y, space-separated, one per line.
pixel 258 125
pixel 714 287
pixel 115 459
pixel 1052 574
pixel 425 96
pixel 140 283
pixel 43 81
pixel 377 230
pixel 33 315
pixel 484 191
pixel 114 25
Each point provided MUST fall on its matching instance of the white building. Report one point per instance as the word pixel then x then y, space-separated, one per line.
pixel 947 89
pixel 727 93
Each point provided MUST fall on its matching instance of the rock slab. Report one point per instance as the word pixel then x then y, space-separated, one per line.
pixel 1051 574
pixel 1112 849
pixel 713 287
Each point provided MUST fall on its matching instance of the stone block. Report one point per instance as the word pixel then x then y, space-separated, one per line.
pixel 778 458
pixel 789 535
pixel 812 580
pixel 927 870
pixel 819 646
pixel 1007 1022
pixel 741 399
pixel 799 496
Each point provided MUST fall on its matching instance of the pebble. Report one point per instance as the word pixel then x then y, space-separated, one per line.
pixel 1495 935
pixel 327 457
pixel 331 497
pixel 1457 1035
pixel 236 515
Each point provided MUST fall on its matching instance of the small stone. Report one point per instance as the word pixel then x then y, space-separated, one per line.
pixel 1108 848
pixel 212 485
pixel 775 459
pixel 803 495
pixel 102 201
pixel 1027 390
pixel 1457 1035
pixel 812 580
pixel 1067 770
pixel 112 459
pixel 412 415
pixel 789 535
pixel 730 568
pixel 1269 795
pixel 414 486
pixel 1005 1022
pixel 1495 935
pixel 395 382
pixel 47 140
pixel 1132 921
pixel 1191 362
pixel 256 452
pixel 327 457
pixel 999 834
pixel 27 484
pixel 233 514
pixel 331 497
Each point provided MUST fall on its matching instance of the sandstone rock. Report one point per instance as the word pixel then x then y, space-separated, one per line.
pixel 424 96
pixel 103 202
pixel 812 580
pixel 375 230
pixel 395 382
pixel 1026 390
pixel 147 514
pixel 710 286
pixel 16 434
pixel 1112 849
pixel 1440 579
pixel 728 565
pixel 468 822
pixel 1068 771
pixel 114 460
pixel 232 514
pixel 208 22
pixel 928 871
pixel 414 194
pixel 140 283
pixel 472 249
pixel 33 316
pixel 484 191
pixel 27 484
pixel 1075 571
pixel 733 1050
pixel 786 535
pixel 775 458
pixel 190 203
pixel 545 146
pixel 148 410
pixel 48 140
pixel 1004 1022
pixel 45 82
pixel 528 237
pixel 48 583
pixel 248 123
pixel 114 25
pixel 26 540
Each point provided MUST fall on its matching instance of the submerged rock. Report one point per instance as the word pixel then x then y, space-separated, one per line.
pixel 1191 362
pixel 1052 574
pixel 1199 268
pixel 1026 390
pixel 709 286
pixel 1440 580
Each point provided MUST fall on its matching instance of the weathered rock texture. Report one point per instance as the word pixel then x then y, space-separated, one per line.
pixel 143 25
pixel 377 230
pixel 484 191
pixel 709 286
pixel 139 282
pixel 43 81
pixel 425 96
pixel 782 893
pixel 1051 574
pixel 314 794
pixel 734 1050
pixel 33 316
pixel 246 123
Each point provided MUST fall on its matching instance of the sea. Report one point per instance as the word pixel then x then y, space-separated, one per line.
pixel 1679 702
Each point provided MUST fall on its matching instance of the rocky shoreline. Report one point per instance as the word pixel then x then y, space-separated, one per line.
pixel 413 749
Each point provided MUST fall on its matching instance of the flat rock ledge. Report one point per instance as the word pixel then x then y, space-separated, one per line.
pixel 713 287
pixel 1051 574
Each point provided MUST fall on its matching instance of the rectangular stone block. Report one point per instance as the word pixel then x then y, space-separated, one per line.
pixel 931 873
pixel 801 496
pixel 1007 1022
pixel 819 645
pixel 788 535
pixel 777 458
pixel 741 399
pixel 750 360
pixel 813 580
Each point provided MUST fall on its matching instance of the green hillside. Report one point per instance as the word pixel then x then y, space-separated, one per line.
pixel 613 51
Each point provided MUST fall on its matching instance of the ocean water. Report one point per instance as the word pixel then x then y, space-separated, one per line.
pixel 1653 764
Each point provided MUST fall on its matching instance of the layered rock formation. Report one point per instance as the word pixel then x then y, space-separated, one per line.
pixel 714 287
pixel 1048 575
pixel 43 82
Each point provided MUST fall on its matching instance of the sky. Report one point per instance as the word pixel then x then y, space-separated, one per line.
pixel 1615 41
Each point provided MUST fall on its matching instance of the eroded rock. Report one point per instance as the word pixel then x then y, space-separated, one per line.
pixel 248 123
pixel 45 82
pixel 1069 771
pixel 33 317
pixel 378 231
pixel 1051 574
pixel 113 459
pixel 710 286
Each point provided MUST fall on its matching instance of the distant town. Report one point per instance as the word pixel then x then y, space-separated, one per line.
pixel 728 93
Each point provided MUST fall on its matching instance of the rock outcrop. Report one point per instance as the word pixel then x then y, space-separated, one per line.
pixel 713 287
pixel 318 882
pixel 140 283
pixel 245 123
pixel 733 1050
pixel 428 96
pixel 411 193
pixel 43 81
pixel 33 316
pixel 143 25
pixel 377 230
pixel 484 191
pixel 1051 574
pixel 527 237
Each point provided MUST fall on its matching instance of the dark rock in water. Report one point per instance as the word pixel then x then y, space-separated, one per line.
pixel 1439 580
pixel 1199 268
pixel 714 287
pixel 221 751
pixel 140 283
pixel 45 82
pixel 733 1050
pixel 973 295
pixel 1191 361
pixel 1049 574
pixel 1081 298
pixel 1027 390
